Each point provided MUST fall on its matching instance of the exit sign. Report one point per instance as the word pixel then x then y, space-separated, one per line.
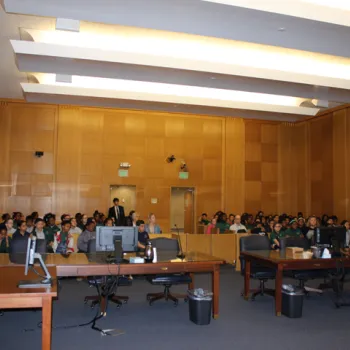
pixel 123 173
pixel 183 175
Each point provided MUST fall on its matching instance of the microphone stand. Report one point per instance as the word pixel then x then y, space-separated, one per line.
pixel 181 255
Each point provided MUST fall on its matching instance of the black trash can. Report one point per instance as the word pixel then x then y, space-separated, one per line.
pixel 292 301
pixel 199 305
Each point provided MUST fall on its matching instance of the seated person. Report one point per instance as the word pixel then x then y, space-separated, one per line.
pixel 204 219
pixel 131 219
pixel 9 226
pixel 294 230
pixel 88 234
pixel 51 227
pixel 5 240
pixel 152 226
pixel 63 240
pixel 276 234
pixel 212 226
pixel 30 224
pixel 74 227
pixel 143 235
pixel 237 225
pixel 108 222
pixel 21 232
pixel 39 231
pixel 222 224
pixel 250 223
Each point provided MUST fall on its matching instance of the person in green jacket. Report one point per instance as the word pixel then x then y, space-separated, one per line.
pixel 50 229
pixel 5 240
pixel 222 224
pixel 294 230
pixel 276 234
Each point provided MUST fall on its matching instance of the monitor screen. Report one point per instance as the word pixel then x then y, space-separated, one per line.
pixel 105 237
pixel 327 234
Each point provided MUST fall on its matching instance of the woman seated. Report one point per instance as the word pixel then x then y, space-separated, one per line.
pixel 132 219
pixel 152 227
pixel 74 227
pixel 9 226
pixel 21 232
pixel 211 228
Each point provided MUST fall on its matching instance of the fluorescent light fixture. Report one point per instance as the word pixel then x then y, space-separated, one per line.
pixel 171 89
pixel 203 50
pixel 166 93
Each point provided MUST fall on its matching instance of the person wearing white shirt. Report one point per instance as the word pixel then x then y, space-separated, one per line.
pixel 237 225
pixel 9 226
pixel 74 228
pixel 39 229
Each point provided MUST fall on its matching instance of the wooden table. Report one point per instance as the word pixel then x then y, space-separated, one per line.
pixel 12 297
pixel 277 259
pixel 78 264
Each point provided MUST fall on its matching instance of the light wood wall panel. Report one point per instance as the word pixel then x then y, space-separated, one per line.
pixel 27 182
pixel 235 165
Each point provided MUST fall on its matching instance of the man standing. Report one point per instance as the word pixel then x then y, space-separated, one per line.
pixel 117 212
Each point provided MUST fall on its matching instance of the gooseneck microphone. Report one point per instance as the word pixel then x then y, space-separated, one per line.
pixel 181 255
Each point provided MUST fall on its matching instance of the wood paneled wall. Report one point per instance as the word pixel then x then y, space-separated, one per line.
pixel 235 164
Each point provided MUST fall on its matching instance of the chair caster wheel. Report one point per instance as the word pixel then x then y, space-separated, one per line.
pixel 176 303
pixel 148 298
pixel 1 313
pixel 118 306
pixel 150 303
pixel 125 301
pixel 85 301
pixel 92 306
pixel 186 300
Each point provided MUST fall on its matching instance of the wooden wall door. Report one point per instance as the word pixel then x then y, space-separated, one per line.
pixel 126 195
pixel 189 210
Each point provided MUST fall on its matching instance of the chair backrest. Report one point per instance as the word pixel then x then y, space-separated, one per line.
pixel 91 247
pixel 254 242
pixel 166 244
pixel 41 246
pixel 18 251
pixel 299 242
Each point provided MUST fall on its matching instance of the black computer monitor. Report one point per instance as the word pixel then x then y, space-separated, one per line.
pixel 329 235
pixel 107 236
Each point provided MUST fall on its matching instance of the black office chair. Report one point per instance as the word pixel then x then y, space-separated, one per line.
pixel 302 275
pixel 99 281
pixel 167 249
pixel 261 273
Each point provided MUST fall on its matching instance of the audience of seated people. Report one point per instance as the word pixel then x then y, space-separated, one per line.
pixel 60 239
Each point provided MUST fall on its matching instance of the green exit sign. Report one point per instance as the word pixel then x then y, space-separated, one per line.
pixel 183 175
pixel 123 173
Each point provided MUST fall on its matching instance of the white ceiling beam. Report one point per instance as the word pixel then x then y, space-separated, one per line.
pixel 165 98
pixel 34 49
pixel 200 18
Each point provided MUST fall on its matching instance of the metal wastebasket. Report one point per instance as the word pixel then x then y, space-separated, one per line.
pixel 199 306
pixel 292 301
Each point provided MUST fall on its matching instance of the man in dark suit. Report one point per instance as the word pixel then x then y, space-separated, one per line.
pixel 117 212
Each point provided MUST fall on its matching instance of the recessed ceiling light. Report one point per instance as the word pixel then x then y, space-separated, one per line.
pixel 281 29
pixel 213 78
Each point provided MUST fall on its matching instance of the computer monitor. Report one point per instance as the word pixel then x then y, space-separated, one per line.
pixel 328 236
pixel 107 236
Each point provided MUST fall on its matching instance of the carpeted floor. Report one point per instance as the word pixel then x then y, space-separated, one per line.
pixel 242 325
